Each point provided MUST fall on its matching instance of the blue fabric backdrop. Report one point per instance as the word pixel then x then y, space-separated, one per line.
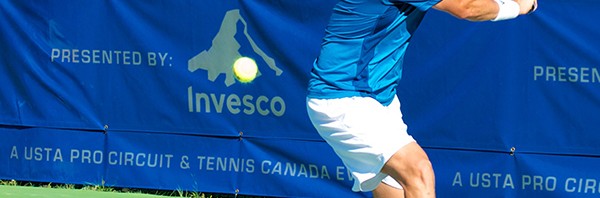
pixel 141 94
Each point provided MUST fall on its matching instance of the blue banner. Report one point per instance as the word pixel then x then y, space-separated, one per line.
pixel 141 94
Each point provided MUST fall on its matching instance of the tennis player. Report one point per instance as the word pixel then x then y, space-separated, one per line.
pixel 352 98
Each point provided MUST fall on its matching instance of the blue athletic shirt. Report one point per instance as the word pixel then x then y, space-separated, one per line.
pixel 363 48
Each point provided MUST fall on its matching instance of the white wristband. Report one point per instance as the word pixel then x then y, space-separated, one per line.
pixel 509 9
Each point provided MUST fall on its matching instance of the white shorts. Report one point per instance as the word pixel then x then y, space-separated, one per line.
pixel 363 133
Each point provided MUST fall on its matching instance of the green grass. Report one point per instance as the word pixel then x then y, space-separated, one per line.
pixel 18 189
pixel 29 191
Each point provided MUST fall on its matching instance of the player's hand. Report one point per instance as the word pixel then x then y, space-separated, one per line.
pixel 527 6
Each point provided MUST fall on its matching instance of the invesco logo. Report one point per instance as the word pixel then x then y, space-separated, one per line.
pixel 218 60
pixel 234 104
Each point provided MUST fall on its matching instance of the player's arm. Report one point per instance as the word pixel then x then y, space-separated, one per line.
pixel 484 10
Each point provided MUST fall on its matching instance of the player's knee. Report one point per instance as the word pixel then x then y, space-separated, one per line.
pixel 419 174
pixel 414 172
pixel 422 176
pixel 422 168
pixel 425 167
pixel 421 183
pixel 420 164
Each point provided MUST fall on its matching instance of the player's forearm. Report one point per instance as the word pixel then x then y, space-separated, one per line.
pixel 473 10
pixel 484 10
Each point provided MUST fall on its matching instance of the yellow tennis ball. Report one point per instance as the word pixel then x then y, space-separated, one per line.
pixel 245 69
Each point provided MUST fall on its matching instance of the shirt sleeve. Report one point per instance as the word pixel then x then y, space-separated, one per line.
pixel 419 4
